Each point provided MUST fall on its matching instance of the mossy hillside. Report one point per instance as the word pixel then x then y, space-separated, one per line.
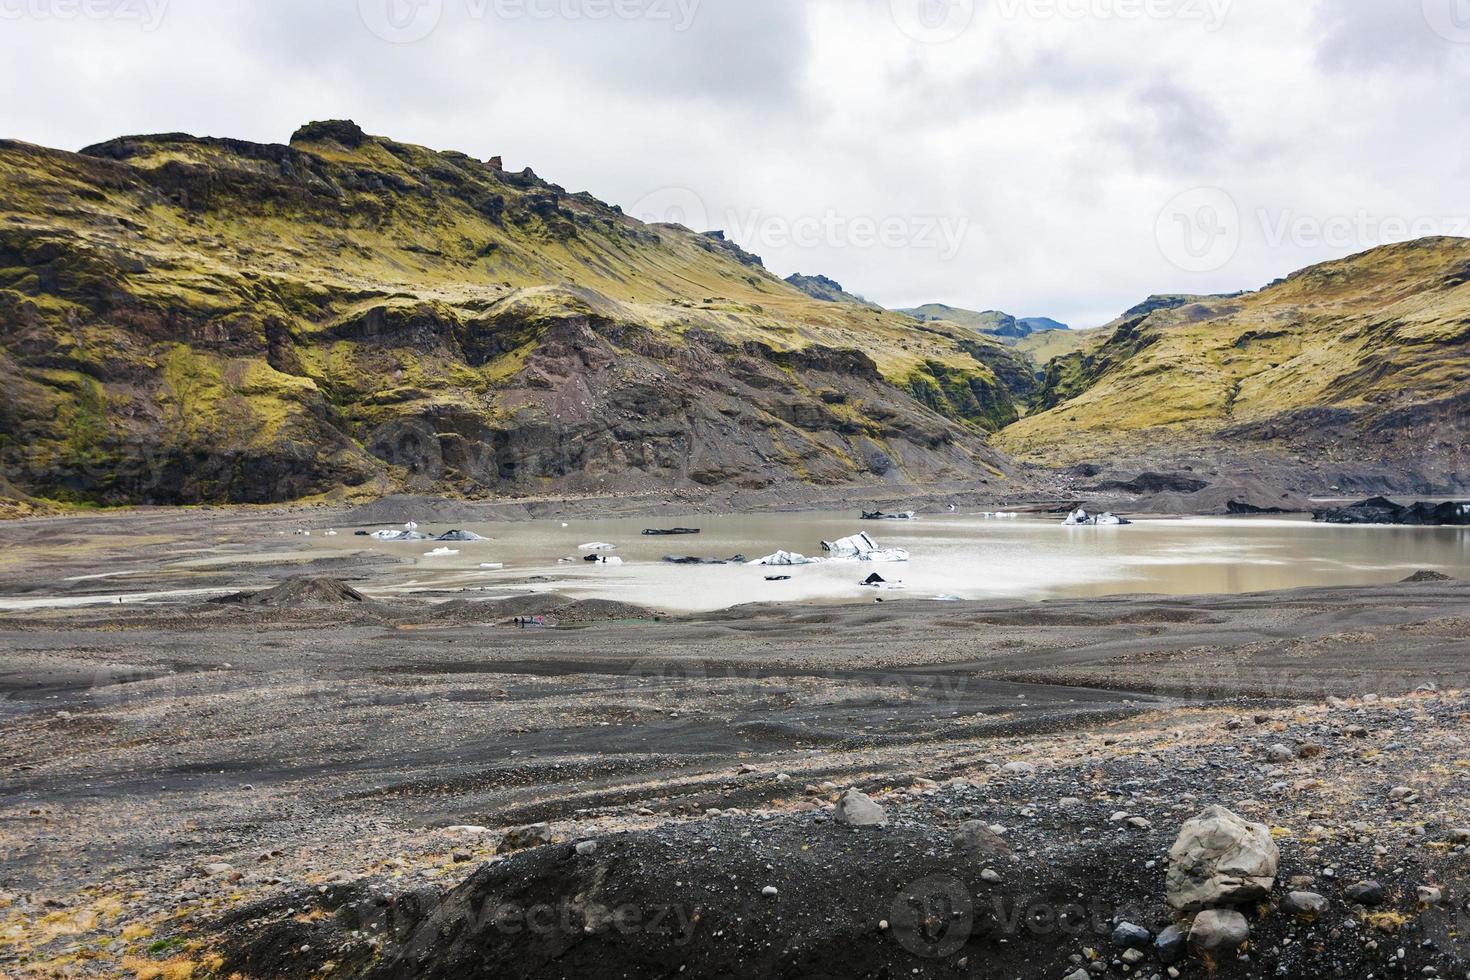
pixel 1043 347
pixel 278 307
pixel 1367 334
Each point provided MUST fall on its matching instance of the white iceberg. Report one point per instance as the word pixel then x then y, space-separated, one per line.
pixel 441 553
pixel 605 560
pixel 1081 518
pixel 787 558
pixel 863 548
pixel 598 546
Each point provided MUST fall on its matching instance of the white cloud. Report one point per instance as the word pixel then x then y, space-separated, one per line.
pixel 1054 131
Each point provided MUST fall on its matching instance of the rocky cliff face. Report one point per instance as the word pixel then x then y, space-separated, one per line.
pixel 826 289
pixel 187 320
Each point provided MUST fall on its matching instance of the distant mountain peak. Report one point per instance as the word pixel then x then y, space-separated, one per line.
pixel 825 289
pixel 993 322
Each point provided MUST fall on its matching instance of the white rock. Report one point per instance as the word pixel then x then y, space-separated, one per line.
pixel 857 809
pixel 1220 859
pixel 1219 933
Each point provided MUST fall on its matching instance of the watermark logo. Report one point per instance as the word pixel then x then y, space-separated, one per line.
pixel 410 21
pixel 1450 19
pixel 401 21
pixel 1210 13
pixel 760 230
pixel 1199 230
pixel 934 917
pixel 933 21
pixel 146 14
pixel 1359 230
pixel 412 444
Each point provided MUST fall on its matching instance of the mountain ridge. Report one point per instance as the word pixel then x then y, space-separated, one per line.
pixel 1361 361
pixel 993 322
pixel 196 319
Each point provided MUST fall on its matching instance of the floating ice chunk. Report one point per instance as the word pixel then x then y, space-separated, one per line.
pixel 598 546
pixel 1081 518
pixel 459 536
pixel 441 553
pixel 787 558
pixel 863 548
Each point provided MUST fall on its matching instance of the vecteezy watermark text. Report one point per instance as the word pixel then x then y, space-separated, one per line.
pixel 942 234
pixel 1360 229
pixel 147 14
pixel 1202 229
pixel 1210 13
pixel 408 21
pixel 757 230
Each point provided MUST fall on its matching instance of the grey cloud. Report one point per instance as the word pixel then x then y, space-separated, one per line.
pixel 1372 35
pixel 1059 140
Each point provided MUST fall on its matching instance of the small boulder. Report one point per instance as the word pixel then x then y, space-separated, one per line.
pixel 1170 945
pixel 977 840
pixel 1219 934
pixel 1367 893
pixel 1131 936
pixel 524 838
pixel 857 809
pixel 1220 859
pixel 1304 905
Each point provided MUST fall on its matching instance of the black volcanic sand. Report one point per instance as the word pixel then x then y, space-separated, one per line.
pixel 189 780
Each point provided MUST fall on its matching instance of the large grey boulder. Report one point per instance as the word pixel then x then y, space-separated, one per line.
pixel 856 809
pixel 1221 860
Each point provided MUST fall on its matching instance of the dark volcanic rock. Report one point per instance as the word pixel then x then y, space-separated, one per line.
pixel 1381 510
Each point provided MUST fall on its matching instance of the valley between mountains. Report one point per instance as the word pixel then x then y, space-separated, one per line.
pixel 196 320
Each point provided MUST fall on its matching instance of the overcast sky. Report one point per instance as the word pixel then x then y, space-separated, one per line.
pixel 1045 157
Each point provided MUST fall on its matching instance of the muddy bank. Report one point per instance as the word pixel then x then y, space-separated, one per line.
pixel 165 764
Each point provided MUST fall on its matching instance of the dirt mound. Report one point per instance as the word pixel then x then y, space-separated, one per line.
pixel 558 610
pixel 845 904
pixel 1155 483
pixel 301 592
pixel 1425 578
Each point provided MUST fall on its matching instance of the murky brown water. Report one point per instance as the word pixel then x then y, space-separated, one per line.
pixel 959 555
